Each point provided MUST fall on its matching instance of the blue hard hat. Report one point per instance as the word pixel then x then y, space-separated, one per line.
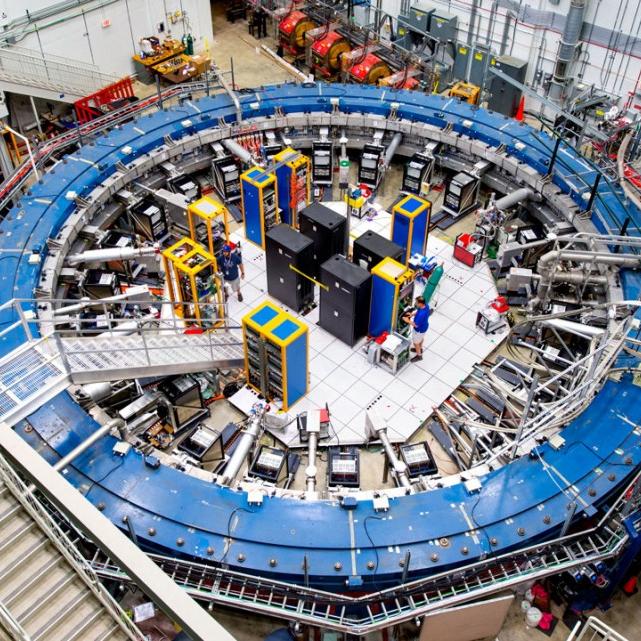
pixel 226 248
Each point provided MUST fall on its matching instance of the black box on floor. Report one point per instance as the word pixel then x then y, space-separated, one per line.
pixel 370 248
pixel 286 248
pixel 149 220
pixel 327 229
pixel 344 306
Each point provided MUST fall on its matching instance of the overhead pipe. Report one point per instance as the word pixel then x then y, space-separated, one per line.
pixel 239 151
pixel 473 15
pixel 111 253
pixel 514 198
pixel 377 428
pixel 230 91
pixel 116 423
pixel 567 48
pixel 509 16
pixel 392 148
pixel 245 445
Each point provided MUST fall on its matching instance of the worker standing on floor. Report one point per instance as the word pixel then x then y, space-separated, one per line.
pixel 233 270
pixel 420 324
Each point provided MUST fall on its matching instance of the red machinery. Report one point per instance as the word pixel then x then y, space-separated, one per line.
pixel 468 249
pixel 369 70
pixel 292 30
pixel 404 79
pixel 106 99
pixel 326 54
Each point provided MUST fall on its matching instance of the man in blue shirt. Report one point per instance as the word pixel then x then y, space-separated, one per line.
pixel 231 265
pixel 420 323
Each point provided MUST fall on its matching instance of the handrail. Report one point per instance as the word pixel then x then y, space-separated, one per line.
pixel 11 625
pixel 38 513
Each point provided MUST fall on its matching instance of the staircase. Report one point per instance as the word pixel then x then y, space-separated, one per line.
pixel 29 72
pixel 47 591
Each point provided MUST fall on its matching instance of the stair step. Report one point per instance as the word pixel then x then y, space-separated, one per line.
pixel 89 626
pixel 14 587
pixel 14 527
pixel 111 632
pixel 61 615
pixel 46 592
pixel 24 550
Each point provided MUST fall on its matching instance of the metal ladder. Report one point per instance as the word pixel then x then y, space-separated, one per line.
pixel 48 592
pixel 375 611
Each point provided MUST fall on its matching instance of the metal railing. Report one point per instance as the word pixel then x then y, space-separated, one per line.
pixel 595 630
pixel 32 68
pixel 63 345
pixel 59 539
pixel 9 623
pixel 391 606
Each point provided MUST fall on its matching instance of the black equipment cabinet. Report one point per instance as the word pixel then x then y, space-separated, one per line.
pixel 288 252
pixel 370 249
pixel 327 229
pixel 149 220
pixel 344 305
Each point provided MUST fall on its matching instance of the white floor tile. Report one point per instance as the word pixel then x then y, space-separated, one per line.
pixel 439 322
pixel 321 366
pixel 437 390
pixel 431 362
pixel 344 410
pixel 323 393
pixel 404 423
pixel 341 379
pixel 322 339
pixel 400 391
pixel 385 406
pixel 361 393
pixel 421 406
pixel 379 378
pixel 458 333
pixel 414 376
pixel 452 309
pixel 451 374
pixel 357 364
pixel 444 347
pixel 336 351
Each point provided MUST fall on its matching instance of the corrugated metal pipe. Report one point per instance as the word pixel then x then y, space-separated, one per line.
pixel 567 48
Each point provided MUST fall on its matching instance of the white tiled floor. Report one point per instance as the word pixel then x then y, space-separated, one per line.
pixel 341 376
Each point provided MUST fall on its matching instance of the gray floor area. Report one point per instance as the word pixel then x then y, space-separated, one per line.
pixel 252 69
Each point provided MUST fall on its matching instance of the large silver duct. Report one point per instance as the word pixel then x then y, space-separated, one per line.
pixel 244 447
pixel 514 198
pixel 239 151
pixel 392 148
pixel 567 48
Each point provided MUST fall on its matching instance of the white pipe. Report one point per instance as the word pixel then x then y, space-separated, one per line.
pixel 239 151
pixel 26 141
pixel 111 253
pixel 245 443
pixel 392 148
pixel 573 327
pixel 83 303
pixel 310 470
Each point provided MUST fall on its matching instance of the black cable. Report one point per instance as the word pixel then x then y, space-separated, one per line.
pixel 231 516
pixel 376 518
pixel 100 480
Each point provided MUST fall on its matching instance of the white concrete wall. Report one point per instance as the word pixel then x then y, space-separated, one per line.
pixel 599 64
pixel 82 37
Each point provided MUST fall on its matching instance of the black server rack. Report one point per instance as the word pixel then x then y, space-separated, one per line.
pixel 149 220
pixel 327 229
pixel 344 305
pixel 322 162
pixel 270 151
pixel 462 194
pixel 288 255
pixel 505 97
pixel 116 240
pixel 416 172
pixel 185 186
pixel 369 167
pixel 97 283
pixel 370 248
pixel 226 174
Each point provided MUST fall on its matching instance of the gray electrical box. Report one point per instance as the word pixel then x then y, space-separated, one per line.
pixel 443 26
pixel 419 17
pixel 478 65
pixel 461 61
pixel 505 97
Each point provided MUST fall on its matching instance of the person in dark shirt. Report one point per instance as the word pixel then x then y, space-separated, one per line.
pixel 420 324
pixel 231 265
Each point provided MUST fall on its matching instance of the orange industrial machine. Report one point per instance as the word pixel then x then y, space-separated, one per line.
pixel 326 54
pixel 369 70
pixel 292 30
pixel 466 92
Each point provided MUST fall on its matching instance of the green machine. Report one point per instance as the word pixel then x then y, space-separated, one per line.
pixel 433 282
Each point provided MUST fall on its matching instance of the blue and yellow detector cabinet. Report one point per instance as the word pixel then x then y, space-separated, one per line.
pixel 392 296
pixel 293 178
pixel 410 224
pixel 276 354
pixel 259 203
